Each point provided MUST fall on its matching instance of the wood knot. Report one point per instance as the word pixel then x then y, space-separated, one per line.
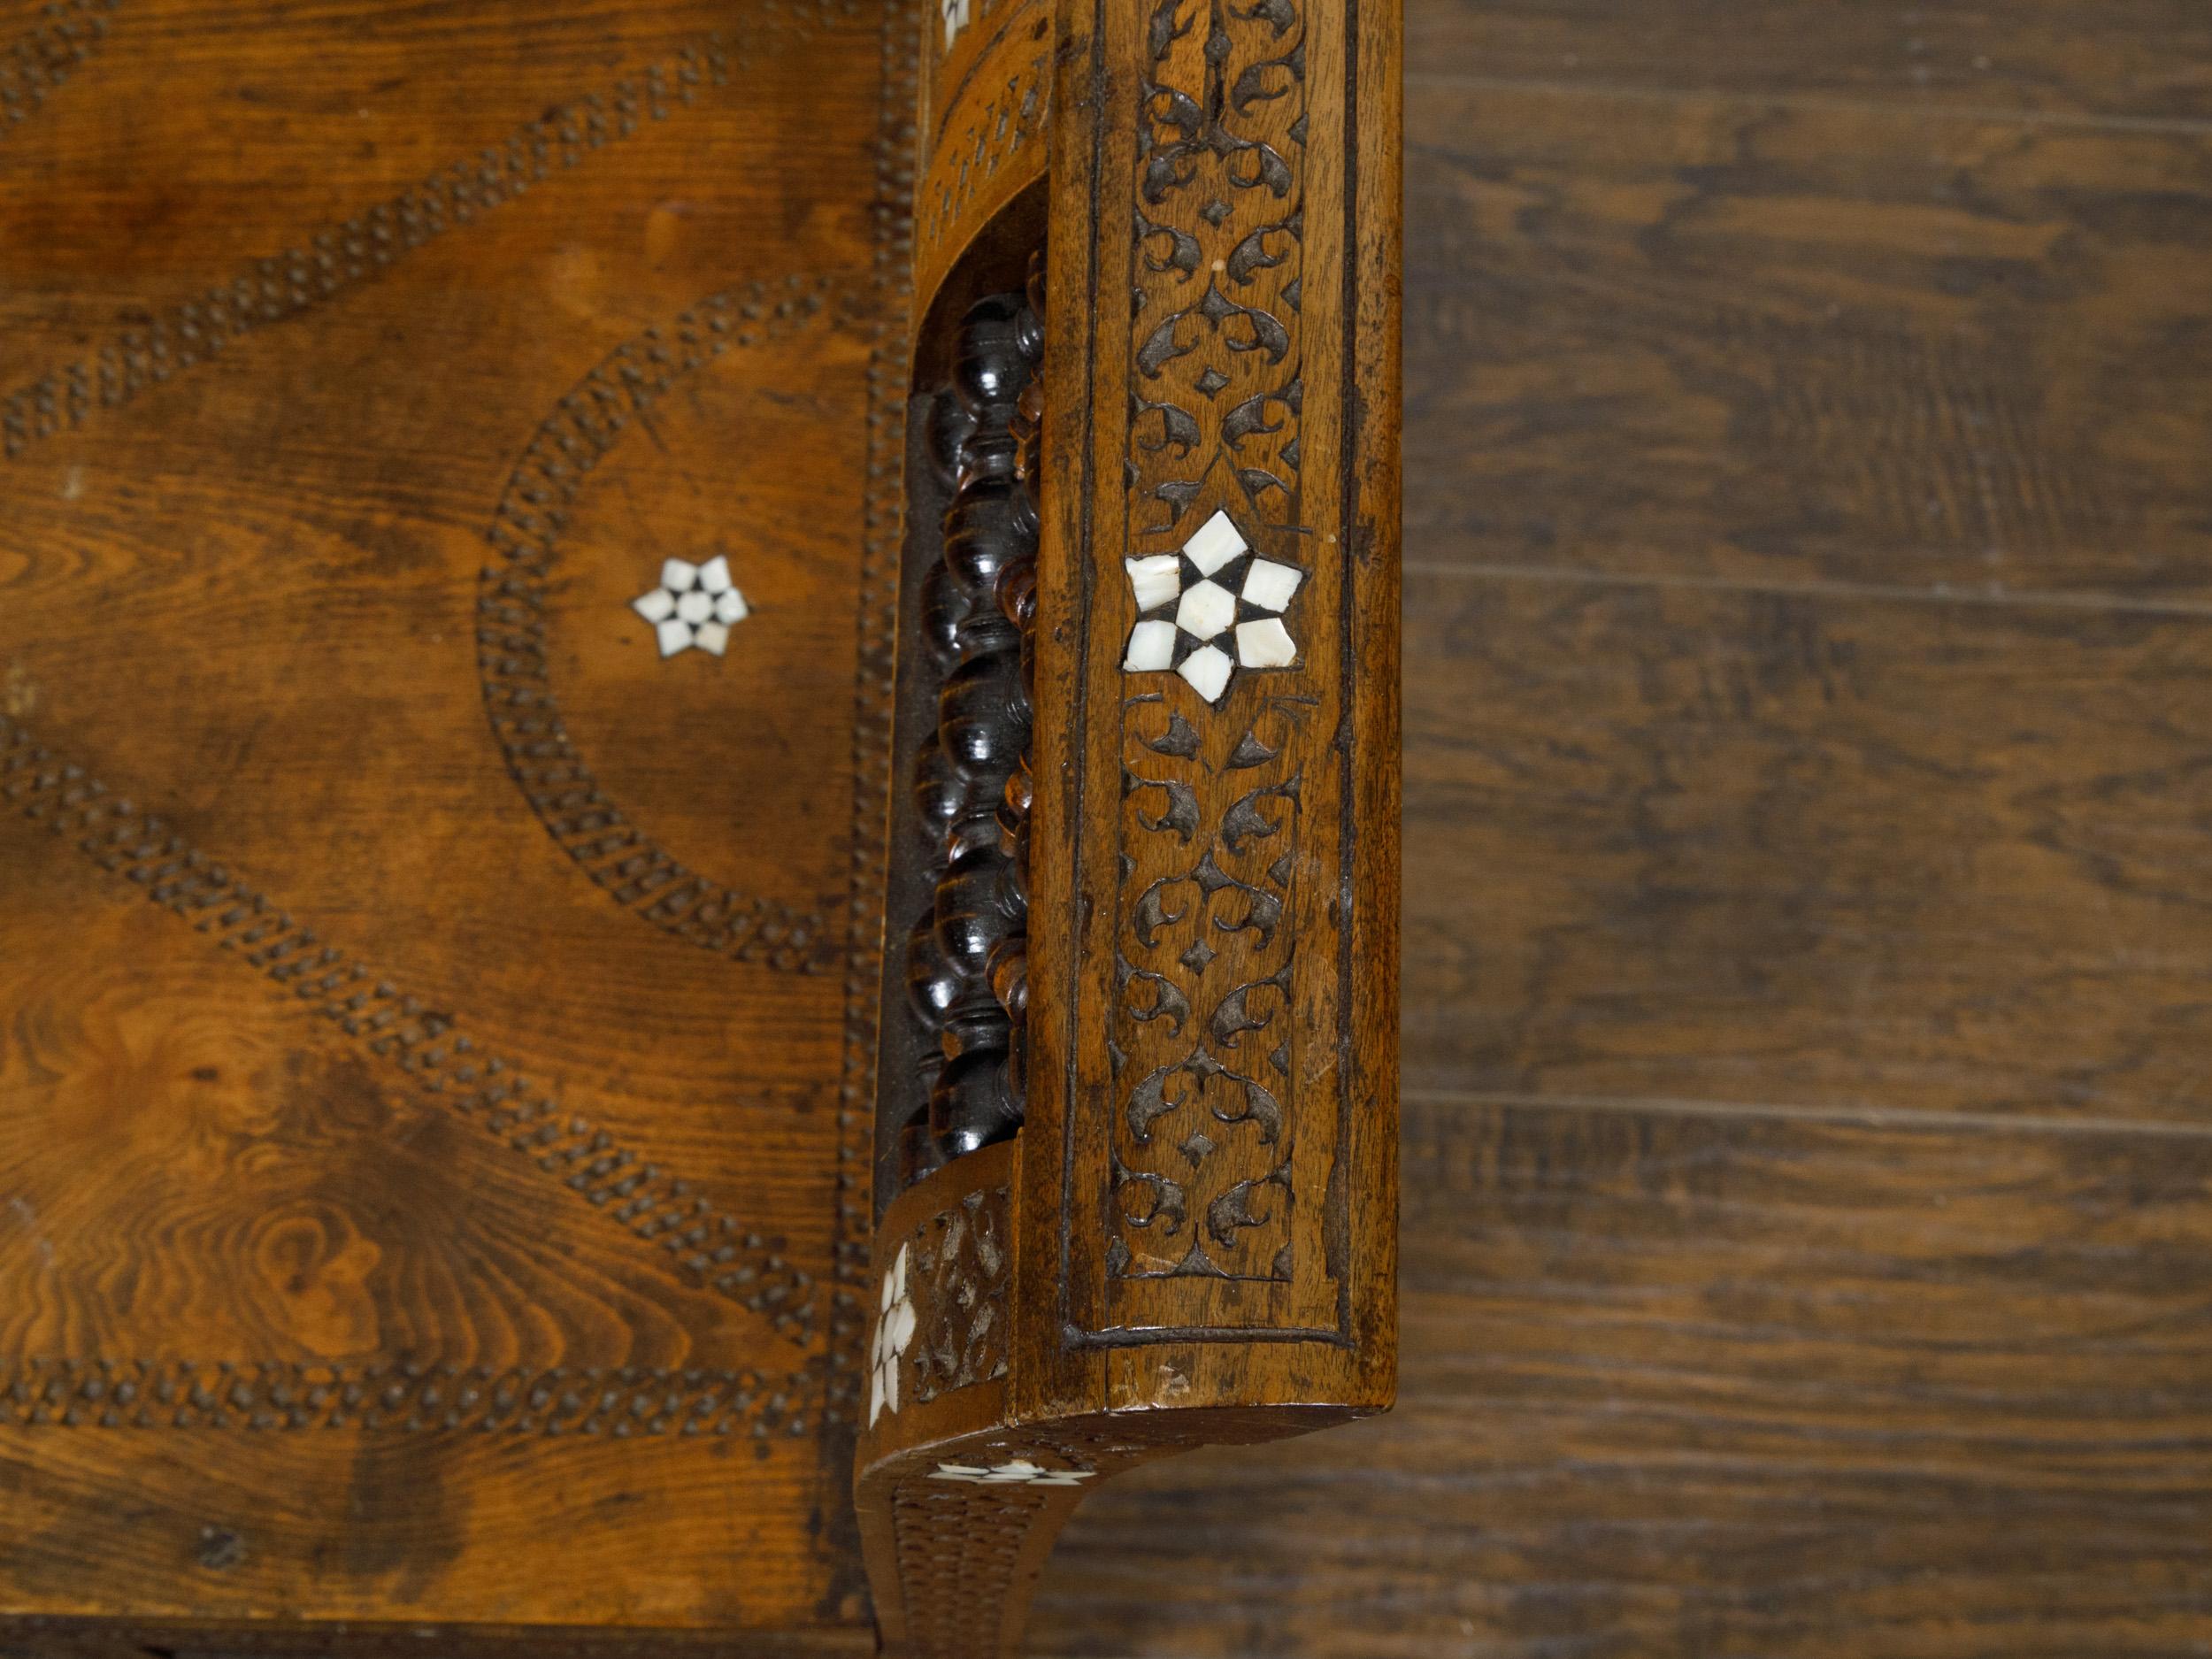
pixel 221 1549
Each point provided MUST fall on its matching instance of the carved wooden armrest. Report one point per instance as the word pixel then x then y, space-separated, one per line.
pixel 1137 1131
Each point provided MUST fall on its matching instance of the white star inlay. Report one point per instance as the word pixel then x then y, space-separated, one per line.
pixel 1019 1472
pixel 1213 608
pixel 695 605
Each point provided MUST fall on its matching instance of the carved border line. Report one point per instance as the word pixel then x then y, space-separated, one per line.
pixel 37 62
pixel 526 716
pixel 876 617
pixel 406 1396
pixel 338 259
pixel 709 1247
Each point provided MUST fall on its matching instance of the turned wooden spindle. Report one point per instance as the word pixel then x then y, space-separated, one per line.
pixel 965 952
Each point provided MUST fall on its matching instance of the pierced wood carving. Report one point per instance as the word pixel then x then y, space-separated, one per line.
pixel 1218 749
pixel 1201 1029
pixel 1220 239
pixel 1205 1174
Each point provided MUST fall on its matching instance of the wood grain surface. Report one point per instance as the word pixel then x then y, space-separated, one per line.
pixel 1806 1174
pixel 426 1197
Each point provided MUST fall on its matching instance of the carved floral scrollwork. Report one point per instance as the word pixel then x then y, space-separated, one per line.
pixel 1202 1037
pixel 1220 239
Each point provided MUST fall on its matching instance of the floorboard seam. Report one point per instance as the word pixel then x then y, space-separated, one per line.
pixel 2163 125
pixel 2026 599
pixel 1870 1116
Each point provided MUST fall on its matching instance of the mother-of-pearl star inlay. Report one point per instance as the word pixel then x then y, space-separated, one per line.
pixel 695 605
pixel 1020 1471
pixel 1215 595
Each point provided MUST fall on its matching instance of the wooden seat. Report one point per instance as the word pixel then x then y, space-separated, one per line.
pixel 698 900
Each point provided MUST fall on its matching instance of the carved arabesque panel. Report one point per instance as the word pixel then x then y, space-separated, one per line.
pixel 1201 1038
pixel 963 1259
pixel 1220 256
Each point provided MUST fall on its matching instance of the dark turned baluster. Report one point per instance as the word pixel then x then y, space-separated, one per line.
pixel 1017 602
pixel 965 954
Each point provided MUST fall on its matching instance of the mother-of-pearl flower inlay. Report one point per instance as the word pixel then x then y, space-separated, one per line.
pixel 695 605
pixel 1019 1472
pixel 894 1334
pixel 1214 597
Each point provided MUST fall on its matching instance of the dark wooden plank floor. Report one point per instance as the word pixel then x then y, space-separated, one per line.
pixel 1808 853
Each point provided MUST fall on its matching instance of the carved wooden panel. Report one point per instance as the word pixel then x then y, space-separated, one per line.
pixel 943 1320
pixel 987 113
pixel 1213 910
pixel 618 395
pixel 441 975
pixel 1222 755
pixel 1204 1045
pixel 973 1521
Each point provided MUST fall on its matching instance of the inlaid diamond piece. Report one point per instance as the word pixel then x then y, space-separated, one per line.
pixel 1265 643
pixel 675 636
pixel 679 576
pixel 1151 646
pixel 1270 585
pixel 714 575
pixel 1214 543
pixel 1155 581
pixel 1208 670
pixel 730 607
pixel 1206 611
pixel 656 607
